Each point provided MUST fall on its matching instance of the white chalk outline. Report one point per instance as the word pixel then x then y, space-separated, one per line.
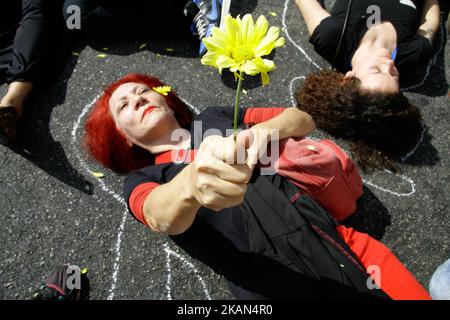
pixel 409 154
pixel 169 252
pixel 118 245
pixel 404 178
pixel 120 230
pixel 291 88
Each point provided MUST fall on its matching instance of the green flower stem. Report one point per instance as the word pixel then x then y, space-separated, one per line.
pixel 236 105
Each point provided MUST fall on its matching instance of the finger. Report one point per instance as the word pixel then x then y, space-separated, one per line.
pixel 235 173
pixel 252 159
pixel 228 151
pixel 245 138
pixel 222 194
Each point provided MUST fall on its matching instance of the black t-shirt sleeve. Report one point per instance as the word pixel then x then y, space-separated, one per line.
pixel 326 36
pixel 157 173
pixel 413 58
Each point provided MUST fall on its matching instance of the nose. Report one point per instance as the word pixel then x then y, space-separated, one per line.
pixel 137 101
pixel 390 67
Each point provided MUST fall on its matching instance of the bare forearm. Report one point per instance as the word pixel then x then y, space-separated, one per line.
pixel 171 208
pixel 430 20
pixel 312 12
pixel 292 122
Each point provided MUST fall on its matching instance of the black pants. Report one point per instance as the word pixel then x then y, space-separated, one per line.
pixel 130 18
pixel 27 39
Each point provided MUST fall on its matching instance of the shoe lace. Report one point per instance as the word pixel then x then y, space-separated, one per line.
pixel 201 25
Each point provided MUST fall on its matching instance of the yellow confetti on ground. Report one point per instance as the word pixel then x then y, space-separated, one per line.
pixel 76 54
pixel 101 55
pixel 98 175
pixel 142 46
pixel 273 14
pixel 105 49
pixel 244 91
pixel 158 55
pixel 170 49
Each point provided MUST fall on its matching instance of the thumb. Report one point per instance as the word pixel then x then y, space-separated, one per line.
pixel 245 138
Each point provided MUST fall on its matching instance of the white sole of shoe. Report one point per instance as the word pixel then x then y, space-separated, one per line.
pixel 225 11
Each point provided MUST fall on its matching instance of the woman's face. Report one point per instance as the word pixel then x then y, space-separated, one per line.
pixel 140 113
pixel 377 72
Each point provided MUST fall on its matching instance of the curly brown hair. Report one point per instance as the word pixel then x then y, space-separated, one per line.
pixel 380 127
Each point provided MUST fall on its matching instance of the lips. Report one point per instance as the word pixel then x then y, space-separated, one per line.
pixel 147 111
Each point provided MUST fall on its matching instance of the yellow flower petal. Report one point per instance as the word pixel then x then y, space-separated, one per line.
pixel 280 42
pixel 265 78
pixel 231 29
pixel 266 46
pixel 214 44
pixel 261 27
pixel 210 59
pixel 98 175
pixel 250 68
pixel 164 90
pixel 224 62
pixel 247 28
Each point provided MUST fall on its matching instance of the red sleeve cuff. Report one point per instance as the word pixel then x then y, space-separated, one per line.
pixel 258 115
pixel 137 199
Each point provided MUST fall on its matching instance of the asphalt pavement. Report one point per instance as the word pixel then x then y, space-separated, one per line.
pixel 54 210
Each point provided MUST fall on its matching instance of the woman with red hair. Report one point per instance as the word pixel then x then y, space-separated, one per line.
pixel 109 145
pixel 203 204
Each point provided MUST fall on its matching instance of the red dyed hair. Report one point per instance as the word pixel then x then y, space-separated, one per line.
pixel 108 145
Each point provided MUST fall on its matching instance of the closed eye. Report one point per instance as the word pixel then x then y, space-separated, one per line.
pixel 122 106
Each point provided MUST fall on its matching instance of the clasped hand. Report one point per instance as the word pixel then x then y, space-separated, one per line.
pixel 222 168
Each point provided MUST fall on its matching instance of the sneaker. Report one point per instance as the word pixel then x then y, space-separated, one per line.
pixel 60 286
pixel 212 13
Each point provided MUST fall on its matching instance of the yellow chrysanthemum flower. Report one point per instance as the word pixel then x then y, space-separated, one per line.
pixel 240 45
pixel 164 90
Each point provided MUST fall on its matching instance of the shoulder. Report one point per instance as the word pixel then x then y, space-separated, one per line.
pixel 159 174
pixel 326 36
pixel 413 51
pixel 328 28
pixel 413 60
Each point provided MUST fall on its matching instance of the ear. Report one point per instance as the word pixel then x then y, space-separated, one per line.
pixel 349 75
